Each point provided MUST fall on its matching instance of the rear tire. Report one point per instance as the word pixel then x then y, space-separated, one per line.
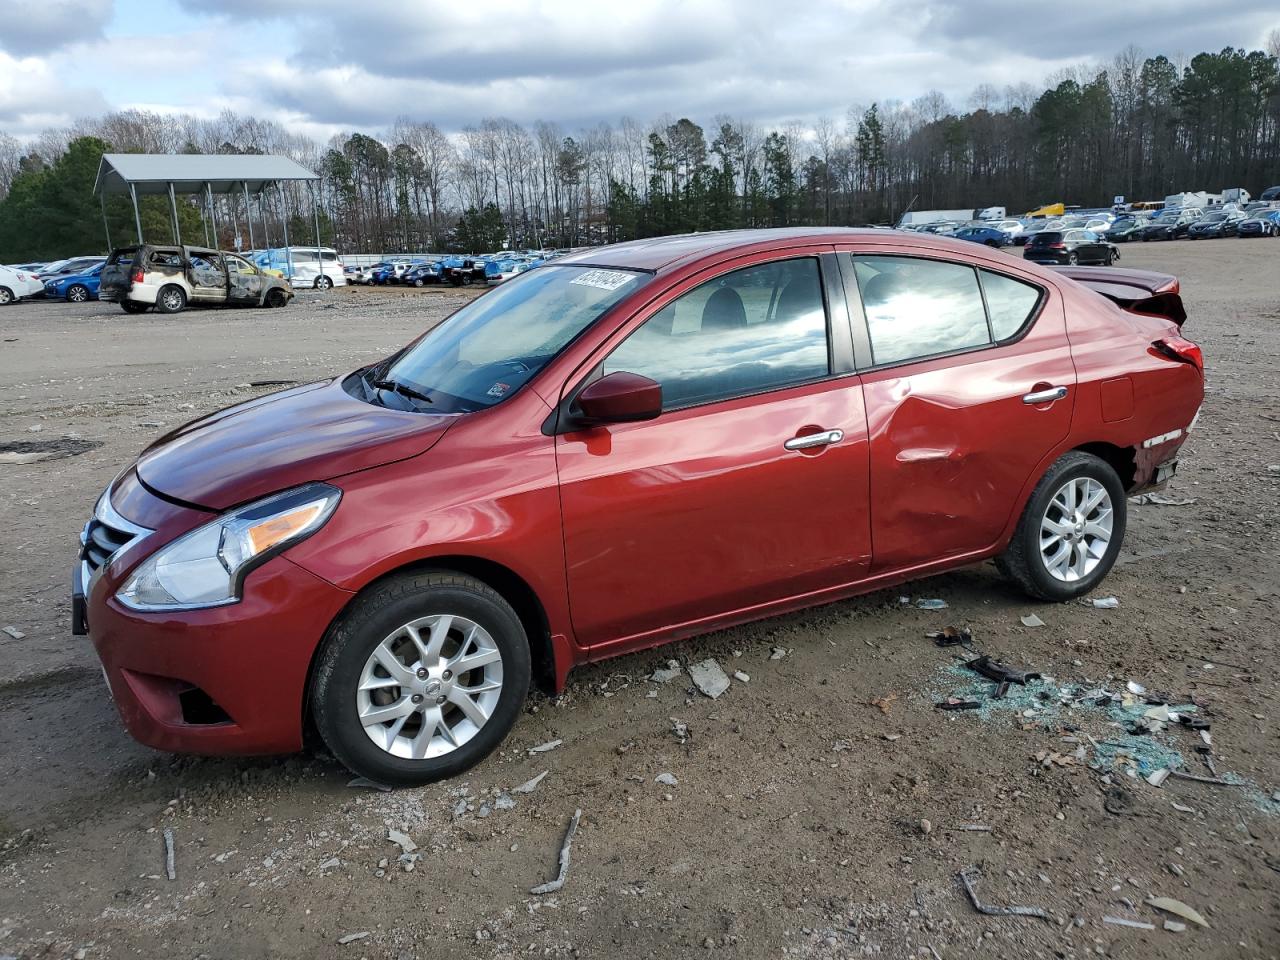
pixel 1025 561
pixel 1072 259
pixel 353 667
pixel 171 299
pixel 323 283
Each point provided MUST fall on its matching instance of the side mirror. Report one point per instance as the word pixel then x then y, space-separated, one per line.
pixel 620 398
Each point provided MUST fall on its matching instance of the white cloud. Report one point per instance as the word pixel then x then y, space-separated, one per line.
pixel 28 29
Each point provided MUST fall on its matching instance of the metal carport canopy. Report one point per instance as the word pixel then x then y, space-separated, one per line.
pixel 152 173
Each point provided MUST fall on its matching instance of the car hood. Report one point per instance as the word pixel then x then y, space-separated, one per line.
pixel 313 432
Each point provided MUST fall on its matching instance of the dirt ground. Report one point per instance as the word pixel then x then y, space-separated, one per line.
pixel 819 807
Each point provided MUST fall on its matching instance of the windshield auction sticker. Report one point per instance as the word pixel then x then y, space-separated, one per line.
pixel 604 279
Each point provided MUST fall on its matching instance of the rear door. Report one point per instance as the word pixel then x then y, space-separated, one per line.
pixel 117 274
pixel 751 486
pixel 207 275
pixel 968 384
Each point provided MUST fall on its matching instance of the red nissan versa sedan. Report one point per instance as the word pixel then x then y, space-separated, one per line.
pixel 627 446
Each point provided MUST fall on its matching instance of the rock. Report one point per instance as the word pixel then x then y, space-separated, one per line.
pixel 402 840
pixel 1031 620
pixel 544 747
pixel 34 428
pixel 709 678
pixel 741 677
pixel 14 632
pixel 777 653
pixel 1175 926
pixel 504 801
pixel 331 863
pixel 668 673
pixel 530 785
pixel 353 937
pixel 926 827
pixel 666 779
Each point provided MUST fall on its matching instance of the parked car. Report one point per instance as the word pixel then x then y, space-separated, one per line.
pixel 989 236
pixel 364 275
pixel 1271 194
pixel 1265 223
pixel 1170 224
pixel 1124 229
pixel 1070 246
pixel 66 268
pixel 300 266
pixel 1036 226
pixel 1011 228
pixel 171 278
pixel 16 284
pixel 462 271
pixel 76 288
pixel 501 270
pixel 703 456
pixel 1217 224
pixel 421 274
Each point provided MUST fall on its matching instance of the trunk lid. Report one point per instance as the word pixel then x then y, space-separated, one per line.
pixel 313 432
pixel 1138 291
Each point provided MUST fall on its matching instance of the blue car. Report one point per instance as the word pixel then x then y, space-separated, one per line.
pixel 77 288
pixel 984 235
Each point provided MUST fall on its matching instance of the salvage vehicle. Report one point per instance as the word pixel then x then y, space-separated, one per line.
pixel 1222 223
pixel 1265 223
pixel 1069 247
pixel 988 236
pixel 1169 224
pixel 16 283
pixel 626 446
pixel 76 288
pixel 171 278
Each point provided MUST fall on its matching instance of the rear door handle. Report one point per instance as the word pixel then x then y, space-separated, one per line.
pixel 1045 396
pixel 814 440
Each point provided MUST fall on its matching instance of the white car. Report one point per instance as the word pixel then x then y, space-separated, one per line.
pixel 308 272
pixel 1012 228
pixel 16 284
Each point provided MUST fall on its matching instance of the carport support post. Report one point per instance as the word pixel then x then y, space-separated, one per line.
pixel 102 199
pixel 248 211
pixel 173 209
pixel 284 221
pixel 213 214
pixel 137 218
pixel 315 215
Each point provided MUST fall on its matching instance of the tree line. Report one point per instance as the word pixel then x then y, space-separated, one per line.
pixel 1138 126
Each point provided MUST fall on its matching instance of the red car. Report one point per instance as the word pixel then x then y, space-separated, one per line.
pixel 623 447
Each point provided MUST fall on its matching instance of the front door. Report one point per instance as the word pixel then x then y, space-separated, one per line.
pixel 752 484
pixel 969 386
pixel 246 281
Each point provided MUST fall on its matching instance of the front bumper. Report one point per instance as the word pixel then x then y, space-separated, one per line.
pixel 228 679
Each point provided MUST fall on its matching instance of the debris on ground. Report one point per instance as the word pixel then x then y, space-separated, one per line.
pixel 777 653
pixel 1122 922
pixel 367 784
pixel 1031 620
pixel 668 673
pixel 952 637
pixel 530 785
pixel 679 729
pixel 666 779
pixel 884 703
pixel 1104 603
pixel 741 676
pixel 1002 674
pixel 170 869
pixel 1170 905
pixel 544 747
pixel 330 864
pixel 955 703
pixel 934 604
pixel 353 937
pixel 401 840
pixel 967 876
pixel 709 678
pixel 553 885
pixel 15 633
pixel 1160 500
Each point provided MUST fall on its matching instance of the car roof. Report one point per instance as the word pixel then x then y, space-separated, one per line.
pixel 660 254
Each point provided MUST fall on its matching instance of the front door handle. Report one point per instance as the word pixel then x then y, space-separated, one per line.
pixel 810 440
pixel 1045 396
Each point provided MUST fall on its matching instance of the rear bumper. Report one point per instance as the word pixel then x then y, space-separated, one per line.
pixel 223 680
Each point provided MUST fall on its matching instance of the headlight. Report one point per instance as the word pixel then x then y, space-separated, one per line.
pixel 206 567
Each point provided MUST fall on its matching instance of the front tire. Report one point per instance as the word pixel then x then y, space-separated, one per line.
pixel 276 298
pixel 6 297
pixel 77 293
pixel 1070 531
pixel 421 678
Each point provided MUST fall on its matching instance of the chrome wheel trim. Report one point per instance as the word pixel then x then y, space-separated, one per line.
pixel 1075 530
pixel 172 300
pixel 429 687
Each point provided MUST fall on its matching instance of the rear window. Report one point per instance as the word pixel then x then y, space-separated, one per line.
pixel 1045 237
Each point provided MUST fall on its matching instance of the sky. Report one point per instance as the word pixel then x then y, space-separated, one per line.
pixel 326 66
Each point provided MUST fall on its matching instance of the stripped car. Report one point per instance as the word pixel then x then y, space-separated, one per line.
pixel 171 278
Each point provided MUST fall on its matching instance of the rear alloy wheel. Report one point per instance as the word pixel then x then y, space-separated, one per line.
pixel 171 299
pixel 77 293
pixel 1072 259
pixel 1070 531
pixel 6 296
pixel 323 283
pixel 421 679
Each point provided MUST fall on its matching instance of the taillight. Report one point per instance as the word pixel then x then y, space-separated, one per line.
pixel 1182 349
pixel 137 276
pixel 1056 246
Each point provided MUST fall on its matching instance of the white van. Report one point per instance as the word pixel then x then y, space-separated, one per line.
pixel 16 284
pixel 307 271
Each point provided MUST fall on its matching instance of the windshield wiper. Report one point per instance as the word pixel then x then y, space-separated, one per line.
pixel 400 388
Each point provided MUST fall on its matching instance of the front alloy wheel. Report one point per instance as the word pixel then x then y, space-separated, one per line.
pixel 421 678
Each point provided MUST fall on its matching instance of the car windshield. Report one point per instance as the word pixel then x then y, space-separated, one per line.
pixel 1214 218
pixel 498 342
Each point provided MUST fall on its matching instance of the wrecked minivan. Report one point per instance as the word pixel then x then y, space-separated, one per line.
pixel 172 278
